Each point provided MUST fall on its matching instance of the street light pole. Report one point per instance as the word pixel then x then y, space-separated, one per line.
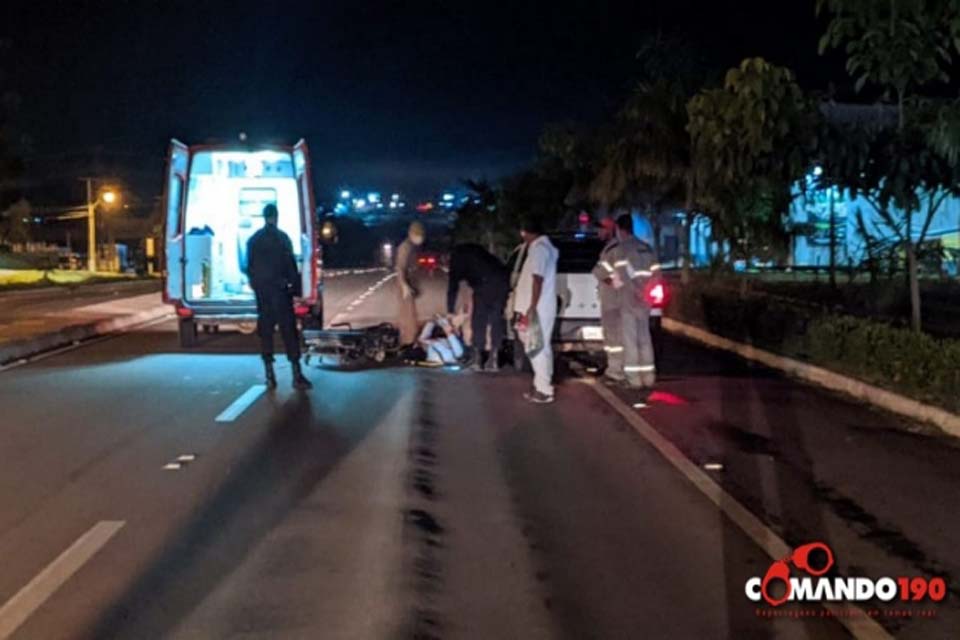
pixel 91 228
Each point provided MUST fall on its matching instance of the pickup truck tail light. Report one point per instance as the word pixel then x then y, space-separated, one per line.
pixel 657 295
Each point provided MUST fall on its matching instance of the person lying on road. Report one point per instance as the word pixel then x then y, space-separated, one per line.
pixel 440 342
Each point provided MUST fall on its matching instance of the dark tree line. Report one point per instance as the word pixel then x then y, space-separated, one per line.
pixel 733 147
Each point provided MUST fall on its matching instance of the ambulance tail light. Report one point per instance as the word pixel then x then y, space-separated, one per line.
pixel 301 310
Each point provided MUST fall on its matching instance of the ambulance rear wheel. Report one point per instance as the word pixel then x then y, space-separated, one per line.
pixel 188 333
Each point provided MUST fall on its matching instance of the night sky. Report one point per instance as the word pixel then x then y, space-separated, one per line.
pixel 409 94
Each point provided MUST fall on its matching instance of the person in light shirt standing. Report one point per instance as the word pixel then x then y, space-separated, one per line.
pixel 407 286
pixel 535 306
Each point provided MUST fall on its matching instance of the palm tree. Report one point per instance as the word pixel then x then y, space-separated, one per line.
pixel 648 163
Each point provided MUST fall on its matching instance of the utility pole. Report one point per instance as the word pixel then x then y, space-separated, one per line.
pixel 91 227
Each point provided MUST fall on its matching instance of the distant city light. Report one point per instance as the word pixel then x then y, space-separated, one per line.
pixel 360 203
pixel 818 171
pixel 448 197
pixel 373 197
pixel 345 194
pixel 395 197
pixel 393 204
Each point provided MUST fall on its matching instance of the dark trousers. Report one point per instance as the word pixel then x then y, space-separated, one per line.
pixel 275 309
pixel 488 307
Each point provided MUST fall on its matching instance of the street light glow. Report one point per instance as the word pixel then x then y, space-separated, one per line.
pixel 109 197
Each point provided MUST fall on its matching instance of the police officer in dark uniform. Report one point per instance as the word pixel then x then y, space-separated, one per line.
pixel 275 281
pixel 490 281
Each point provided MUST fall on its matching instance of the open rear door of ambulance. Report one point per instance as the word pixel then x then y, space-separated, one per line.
pixel 311 307
pixel 174 201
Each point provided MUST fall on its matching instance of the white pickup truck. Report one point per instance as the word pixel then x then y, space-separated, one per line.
pixel 578 325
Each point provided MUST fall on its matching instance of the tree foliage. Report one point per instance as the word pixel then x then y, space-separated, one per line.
pixel 648 160
pixel 577 152
pixel 492 215
pixel 751 140
pixel 902 46
pixel 478 219
pixel 15 223
pixel 898 45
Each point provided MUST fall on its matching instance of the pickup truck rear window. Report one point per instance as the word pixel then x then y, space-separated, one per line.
pixel 578 256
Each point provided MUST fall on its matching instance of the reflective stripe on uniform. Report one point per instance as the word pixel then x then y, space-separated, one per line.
pixel 631 272
pixel 639 368
pixel 606 265
pixel 655 267
pixel 613 349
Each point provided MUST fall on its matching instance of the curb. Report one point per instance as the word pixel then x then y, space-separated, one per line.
pixel 7 293
pixel 941 418
pixel 20 349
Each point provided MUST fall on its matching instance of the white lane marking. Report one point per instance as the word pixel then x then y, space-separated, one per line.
pixel 21 606
pixel 860 625
pixel 361 298
pixel 242 403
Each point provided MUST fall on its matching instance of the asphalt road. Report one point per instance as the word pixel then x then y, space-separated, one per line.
pixel 151 492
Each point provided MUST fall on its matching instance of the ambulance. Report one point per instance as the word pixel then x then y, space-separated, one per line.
pixel 213 201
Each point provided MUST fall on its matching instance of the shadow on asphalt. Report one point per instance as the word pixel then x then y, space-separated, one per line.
pixel 296 453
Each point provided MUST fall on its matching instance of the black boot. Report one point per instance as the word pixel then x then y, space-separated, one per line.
pixel 269 375
pixel 299 380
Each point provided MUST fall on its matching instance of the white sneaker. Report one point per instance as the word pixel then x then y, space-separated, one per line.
pixel 537 398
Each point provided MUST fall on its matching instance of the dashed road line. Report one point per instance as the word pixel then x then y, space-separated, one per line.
pixel 242 403
pixel 361 298
pixel 32 596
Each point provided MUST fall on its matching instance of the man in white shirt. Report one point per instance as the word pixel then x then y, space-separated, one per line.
pixel 535 302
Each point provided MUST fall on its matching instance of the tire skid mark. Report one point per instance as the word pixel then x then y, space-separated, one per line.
pixel 423 531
